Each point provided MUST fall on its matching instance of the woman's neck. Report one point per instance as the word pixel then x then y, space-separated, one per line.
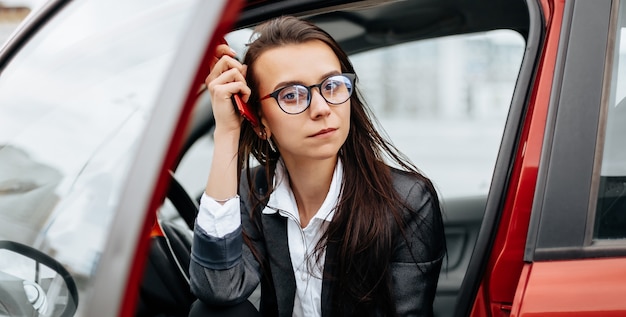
pixel 310 183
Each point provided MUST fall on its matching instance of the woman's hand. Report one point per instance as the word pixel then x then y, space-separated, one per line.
pixel 227 77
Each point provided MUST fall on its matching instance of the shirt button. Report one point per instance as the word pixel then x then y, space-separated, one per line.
pixel 303 277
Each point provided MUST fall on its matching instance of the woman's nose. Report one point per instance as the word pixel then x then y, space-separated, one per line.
pixel 319 107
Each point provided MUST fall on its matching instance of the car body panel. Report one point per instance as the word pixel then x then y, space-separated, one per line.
pixel 516 212
pixel 553 289
pixel 500 280
pixel 569 272
pixel 556 274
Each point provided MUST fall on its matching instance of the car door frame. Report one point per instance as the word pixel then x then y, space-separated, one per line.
pixel 121 268
pixel 561 256
pixel 489 280
pixel 566 187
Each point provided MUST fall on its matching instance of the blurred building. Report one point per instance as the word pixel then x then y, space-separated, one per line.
pixel 469 76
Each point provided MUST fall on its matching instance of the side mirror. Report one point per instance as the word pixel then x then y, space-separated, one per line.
pixel 34 284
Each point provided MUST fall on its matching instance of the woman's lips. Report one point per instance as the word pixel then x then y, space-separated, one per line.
pixel 323 132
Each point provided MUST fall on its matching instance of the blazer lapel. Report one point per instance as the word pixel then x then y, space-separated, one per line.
pixel 275 230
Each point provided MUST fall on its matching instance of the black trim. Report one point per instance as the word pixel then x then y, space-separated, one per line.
pixel 270 9
pixel 429 18
pixel 561 206
pixel 504 162
pixel 599 249
pixel 28 29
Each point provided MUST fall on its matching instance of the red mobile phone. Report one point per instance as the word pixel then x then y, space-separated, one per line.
pixel 245 110
pixel 242 107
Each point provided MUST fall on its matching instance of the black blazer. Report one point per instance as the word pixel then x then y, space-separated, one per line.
pixel 224 271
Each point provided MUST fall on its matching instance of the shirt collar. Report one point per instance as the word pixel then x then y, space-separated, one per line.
pixel 282 198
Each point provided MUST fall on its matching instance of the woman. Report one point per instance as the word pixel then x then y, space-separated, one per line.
pixel 323 224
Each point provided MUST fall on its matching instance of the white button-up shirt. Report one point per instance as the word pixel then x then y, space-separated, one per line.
pixel 219 220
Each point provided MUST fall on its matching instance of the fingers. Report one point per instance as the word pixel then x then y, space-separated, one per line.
pixel 219 86
pixel 220 51
pixel 224 49
pixel 226 78
pixel 224 64
pixel 226 70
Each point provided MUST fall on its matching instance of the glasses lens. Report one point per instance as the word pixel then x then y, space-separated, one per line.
pixel 336 89
pixel 293 99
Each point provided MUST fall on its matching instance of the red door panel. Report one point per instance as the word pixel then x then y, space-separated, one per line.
pixel 593 287
pixel 497 290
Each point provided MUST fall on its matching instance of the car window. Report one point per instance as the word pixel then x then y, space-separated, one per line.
pixel 610 219
pixel 73 104
pixel 444 102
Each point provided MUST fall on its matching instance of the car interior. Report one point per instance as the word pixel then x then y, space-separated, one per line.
pixel 438 74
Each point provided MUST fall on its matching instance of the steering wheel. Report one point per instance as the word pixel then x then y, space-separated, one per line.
pixel 12 292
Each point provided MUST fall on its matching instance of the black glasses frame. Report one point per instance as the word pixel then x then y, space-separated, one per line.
pixel 350 76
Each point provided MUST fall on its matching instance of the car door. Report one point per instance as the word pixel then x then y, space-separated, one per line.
pixel 557 249
pixel 492 275
pixel 94 100
pixel 576 249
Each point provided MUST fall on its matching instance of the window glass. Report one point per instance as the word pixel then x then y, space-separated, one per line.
pixel 611 207
pixel 443 102
pixel 73 104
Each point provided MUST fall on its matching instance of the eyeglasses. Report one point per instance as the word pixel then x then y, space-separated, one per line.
pixel 294 99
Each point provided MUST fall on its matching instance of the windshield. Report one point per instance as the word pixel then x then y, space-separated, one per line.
pixel 73 103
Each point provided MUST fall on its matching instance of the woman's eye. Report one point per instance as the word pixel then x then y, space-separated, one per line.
pixel 332 85
pixel 289 96
pixel 293 95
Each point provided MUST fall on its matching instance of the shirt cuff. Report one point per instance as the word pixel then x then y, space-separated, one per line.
pixel 218 220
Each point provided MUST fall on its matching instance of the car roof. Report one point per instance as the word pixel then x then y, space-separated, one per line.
pixel 363 25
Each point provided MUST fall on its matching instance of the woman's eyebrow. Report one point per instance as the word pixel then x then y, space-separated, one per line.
pixel 287 83
pixel 299 82
pixel 330 73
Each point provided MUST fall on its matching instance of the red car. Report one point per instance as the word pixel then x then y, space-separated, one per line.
pixel 516 110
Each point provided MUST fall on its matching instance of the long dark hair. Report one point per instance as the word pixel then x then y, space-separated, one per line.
pixel 368 215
